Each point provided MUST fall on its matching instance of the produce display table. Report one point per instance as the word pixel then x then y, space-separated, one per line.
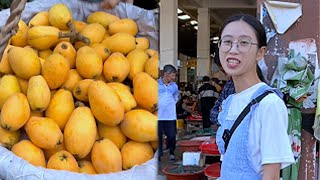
pixel 194 123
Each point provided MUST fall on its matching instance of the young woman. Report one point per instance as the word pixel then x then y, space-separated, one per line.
pixel 260 146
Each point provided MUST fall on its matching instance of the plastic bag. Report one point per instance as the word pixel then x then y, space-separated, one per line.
pixel 13 167
pixel 147 20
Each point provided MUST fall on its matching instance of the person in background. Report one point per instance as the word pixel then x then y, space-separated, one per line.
pixel 207 95
pixel 183 110
pixel 167 115
pixel 260 145
pixel 215 83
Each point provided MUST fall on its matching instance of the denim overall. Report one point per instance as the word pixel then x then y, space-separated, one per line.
pixel 236 164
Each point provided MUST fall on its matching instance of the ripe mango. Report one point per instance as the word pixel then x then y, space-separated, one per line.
pixel 152 66
pixel 105 103
pixel 24 62
pixel 145 91
pixel 42 37
pixel 63 160
pixel 88 63
pixel 29 152
pixel 55 70
pixel 125 95
pixel 80 132
pixel 142 43
pixel 94 32
pixel 102 18
pixel 140 125
pixel 38 93
pixel 112 133
pixel 67 51
pixel 60 107
pixel 137 59
pixel 20 38
pixel 73 78
pixel 59 16
pixel 120 42
pixel 124 25
pixel 15 112
pixel 5 67
pixel 8 138
pixel 79 25
pixel 116 68
pixel 129 154
pixel 9 85
pixel 43 132
pixel 106 157
pixel 86 167
pixel 45 53
pixel 40 19
pixel 80 90
pixel 101 50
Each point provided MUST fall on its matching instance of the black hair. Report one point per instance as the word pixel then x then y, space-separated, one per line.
pixel 253 22
pixel 169 69
pixel 205 79
pixel 216 58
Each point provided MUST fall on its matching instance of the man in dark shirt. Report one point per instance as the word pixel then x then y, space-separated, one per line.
pixel 208 95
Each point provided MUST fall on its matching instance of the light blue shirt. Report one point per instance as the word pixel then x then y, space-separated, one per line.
pixel 167 99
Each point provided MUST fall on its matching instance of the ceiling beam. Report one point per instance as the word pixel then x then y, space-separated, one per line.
pixel 228 4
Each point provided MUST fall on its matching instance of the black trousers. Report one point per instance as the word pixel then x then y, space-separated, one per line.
pixel 205 111
pixel 169 128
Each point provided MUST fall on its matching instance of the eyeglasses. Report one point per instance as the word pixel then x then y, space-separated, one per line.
pixel 243 45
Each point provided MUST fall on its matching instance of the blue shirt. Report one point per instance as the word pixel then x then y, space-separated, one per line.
pixel 167 99
pixel 227 90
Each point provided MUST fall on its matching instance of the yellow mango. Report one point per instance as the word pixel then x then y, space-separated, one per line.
pixel 45 53
pixel 24 62
pixel 124 25
pixel 140 125
pixel 55 70
pixel 49 152
pixel 23 83
pixel 102 18
pixel 15 112
pixel 106 157
pixel 63 160
pixel 120 42
pixel 116 68
pixel 86 167
pixel 5 67
pixel 59 16
pixel 80 132
pixel 94 32
pixel 67 51
pixel 105 103
pixel 125 95
pixel 101 50
pixel 43 132
pixel 80 90
pixel 151 52
pixel 142 43
pixel 137 59
pixel 20 38
pixel 152 66
pixel 129 154
pixel 40 19
pixel 73 78
pixel 38 93
pixel 9 85
pixel 42 37
pixel 88 63
pixel 145 91
pixel 29 152
pixel 154 145
pixel 9 138
pixel 60 107
pixel 79 25
pixel 112 133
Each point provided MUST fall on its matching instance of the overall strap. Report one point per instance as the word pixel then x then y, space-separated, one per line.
pixel 227 134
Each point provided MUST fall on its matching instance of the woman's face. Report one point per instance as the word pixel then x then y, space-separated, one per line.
pixel 244 53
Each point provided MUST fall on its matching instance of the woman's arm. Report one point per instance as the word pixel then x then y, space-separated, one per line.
pixel 271 171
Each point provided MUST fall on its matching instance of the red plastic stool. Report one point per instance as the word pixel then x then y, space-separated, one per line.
pixel 212 171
